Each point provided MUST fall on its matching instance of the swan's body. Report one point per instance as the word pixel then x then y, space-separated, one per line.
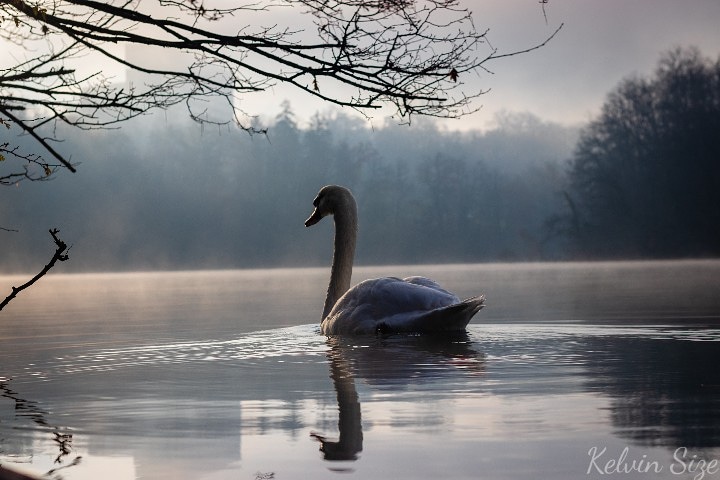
pixel 386 305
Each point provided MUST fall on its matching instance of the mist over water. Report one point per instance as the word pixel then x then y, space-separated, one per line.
pixel 163 195
pixel 223 374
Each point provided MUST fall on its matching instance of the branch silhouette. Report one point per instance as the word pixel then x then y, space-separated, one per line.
pixel 59 256
pixel 415 56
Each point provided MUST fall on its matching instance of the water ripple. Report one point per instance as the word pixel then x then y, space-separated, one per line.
pixel 526 332
pixel 300 341
pixel 534 344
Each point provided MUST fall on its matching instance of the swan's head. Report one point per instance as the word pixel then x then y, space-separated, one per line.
pixel 329 201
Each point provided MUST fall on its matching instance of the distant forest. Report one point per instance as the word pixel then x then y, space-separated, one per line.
pixel 644 180
pixel 641 180
pixel 161 194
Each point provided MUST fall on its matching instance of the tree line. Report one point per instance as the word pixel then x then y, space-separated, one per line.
pixel 163 194
pixel 642 180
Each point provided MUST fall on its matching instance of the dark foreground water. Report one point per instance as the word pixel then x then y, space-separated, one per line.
pixel 573 371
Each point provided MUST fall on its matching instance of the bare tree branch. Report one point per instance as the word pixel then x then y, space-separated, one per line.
pixel 412 55
pixel 59 256
pixel 42 141
pixel 33 167
pixel 530 49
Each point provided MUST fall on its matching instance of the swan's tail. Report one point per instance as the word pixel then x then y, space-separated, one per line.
pixel 475 304
pixel 453 318
pixel 464 311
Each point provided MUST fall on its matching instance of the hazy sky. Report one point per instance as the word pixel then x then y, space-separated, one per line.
pixel 602 41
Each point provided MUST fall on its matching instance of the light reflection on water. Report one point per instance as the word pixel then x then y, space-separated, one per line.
pixel 223 375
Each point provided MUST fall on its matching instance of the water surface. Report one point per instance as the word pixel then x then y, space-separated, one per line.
pixel 219 375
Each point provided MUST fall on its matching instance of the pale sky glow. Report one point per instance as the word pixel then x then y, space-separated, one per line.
pixel 566 81
pixel 601 43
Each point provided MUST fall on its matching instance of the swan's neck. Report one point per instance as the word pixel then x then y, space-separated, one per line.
pixel 343 254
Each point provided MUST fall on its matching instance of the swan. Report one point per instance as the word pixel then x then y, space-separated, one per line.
pixel 380 305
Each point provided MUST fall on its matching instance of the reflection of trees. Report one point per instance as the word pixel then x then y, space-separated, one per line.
pixel 30 410
pixel 663 392
pixel 392 361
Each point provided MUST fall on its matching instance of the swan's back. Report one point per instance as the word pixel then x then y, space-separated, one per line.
pixel 389 304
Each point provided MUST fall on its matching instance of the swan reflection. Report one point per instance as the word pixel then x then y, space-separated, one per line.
pixel 396 362
pixel 349 443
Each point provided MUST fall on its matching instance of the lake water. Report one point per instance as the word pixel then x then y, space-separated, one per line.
pixel 572 371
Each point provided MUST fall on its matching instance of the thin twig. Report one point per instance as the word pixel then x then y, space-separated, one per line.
pixel 536 47
pixel 543 3
pixel 31 131
pixel 60 255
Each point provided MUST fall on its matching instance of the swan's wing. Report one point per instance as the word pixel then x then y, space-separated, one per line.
pixel 386 301
pixel 426 282
pixel 452 318
pixel 389 295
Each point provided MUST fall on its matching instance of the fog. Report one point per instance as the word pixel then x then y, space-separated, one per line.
pixel 164 194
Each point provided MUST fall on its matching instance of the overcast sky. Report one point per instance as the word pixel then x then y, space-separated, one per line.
pixel 601 42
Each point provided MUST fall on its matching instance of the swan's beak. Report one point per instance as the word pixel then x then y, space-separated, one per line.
pixel 313 219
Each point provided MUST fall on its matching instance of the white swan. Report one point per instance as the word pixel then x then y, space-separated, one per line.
pixel 385 305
